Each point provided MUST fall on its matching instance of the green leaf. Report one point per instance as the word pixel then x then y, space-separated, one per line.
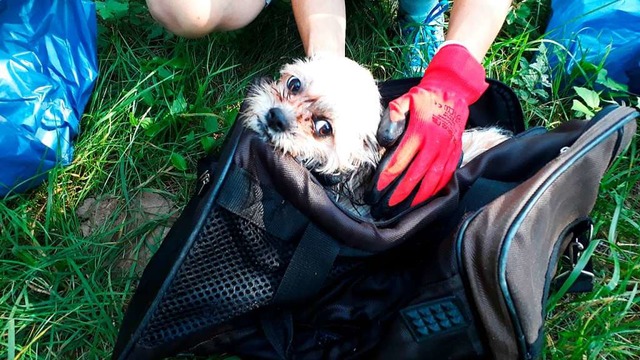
pixel 178 63
pixel 613 248
pixel 523 12
pixel 190 136
pixel 609 83
pixel 179 104
pixel 207 143
pixel 164 73
pixel 156 31
pixel 148 98
pixel 580 107
pixel 111 9
pixel 590 97
pixel 24 256
pixel 211 124
pixel 511 17
pixel 146 123
pixel 152 129
pixel 133 120
pixel 11 338
pixel 230 116
pixel 178 162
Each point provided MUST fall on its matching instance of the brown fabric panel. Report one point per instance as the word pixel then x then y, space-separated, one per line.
pixel 529 251
pixel 629 132
pixel 610 119
pixel 571 196
pixel 483 236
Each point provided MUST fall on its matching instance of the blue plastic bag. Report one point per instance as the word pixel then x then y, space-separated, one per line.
pixel 48 67
pixel 595 29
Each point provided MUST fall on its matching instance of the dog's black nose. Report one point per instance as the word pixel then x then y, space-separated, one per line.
pixel 276 120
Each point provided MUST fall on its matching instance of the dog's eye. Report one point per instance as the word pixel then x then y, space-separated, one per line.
pixel 294 84
pixel 323 128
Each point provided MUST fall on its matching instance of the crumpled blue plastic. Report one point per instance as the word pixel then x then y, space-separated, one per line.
pixel 597 29
pixel 48 67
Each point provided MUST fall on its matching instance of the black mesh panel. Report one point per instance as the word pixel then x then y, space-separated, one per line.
pixel 233 267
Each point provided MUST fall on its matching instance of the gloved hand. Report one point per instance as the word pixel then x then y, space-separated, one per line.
pixel 430 149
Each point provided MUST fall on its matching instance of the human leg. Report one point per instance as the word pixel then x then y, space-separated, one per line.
pixel 417 10
pixel 422 26
pixel 197 18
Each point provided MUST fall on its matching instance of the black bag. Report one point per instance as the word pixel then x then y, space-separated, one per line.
pixel 262 264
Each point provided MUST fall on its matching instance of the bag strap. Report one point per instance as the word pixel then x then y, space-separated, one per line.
pixel 309 267
pixel 278 329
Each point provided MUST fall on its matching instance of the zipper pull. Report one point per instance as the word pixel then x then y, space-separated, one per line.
pixel 203 180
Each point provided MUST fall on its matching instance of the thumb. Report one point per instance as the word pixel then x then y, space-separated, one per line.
pixel 393 121
pixel 389 131
pixel 399 108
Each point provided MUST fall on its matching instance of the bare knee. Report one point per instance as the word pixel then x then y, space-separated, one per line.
pixel 191 19
pixel 197 18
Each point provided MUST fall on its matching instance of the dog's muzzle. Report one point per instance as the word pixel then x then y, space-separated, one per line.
pixel 277 120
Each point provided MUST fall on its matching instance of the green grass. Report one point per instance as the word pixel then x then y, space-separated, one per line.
pixel 161 103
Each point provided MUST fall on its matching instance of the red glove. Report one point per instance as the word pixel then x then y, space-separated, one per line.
pixel 438 109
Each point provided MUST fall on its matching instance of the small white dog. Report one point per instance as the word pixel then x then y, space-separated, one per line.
pixel 325 113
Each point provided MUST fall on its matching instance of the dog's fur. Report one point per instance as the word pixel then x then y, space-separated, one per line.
pixel 337 93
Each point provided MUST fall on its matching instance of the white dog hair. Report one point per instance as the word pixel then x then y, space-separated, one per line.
pixel 325 112
pixel 333 90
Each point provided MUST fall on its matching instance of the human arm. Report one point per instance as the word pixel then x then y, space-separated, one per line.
pixel 438 108
pixel 475 24
pixel 322 25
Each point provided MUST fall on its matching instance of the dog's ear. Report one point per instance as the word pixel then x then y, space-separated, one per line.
pixel 259 80
pixel 253 90
pixel 257 83
pixel 257 86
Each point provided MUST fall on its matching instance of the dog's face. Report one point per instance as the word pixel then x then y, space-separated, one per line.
pixel 323 111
